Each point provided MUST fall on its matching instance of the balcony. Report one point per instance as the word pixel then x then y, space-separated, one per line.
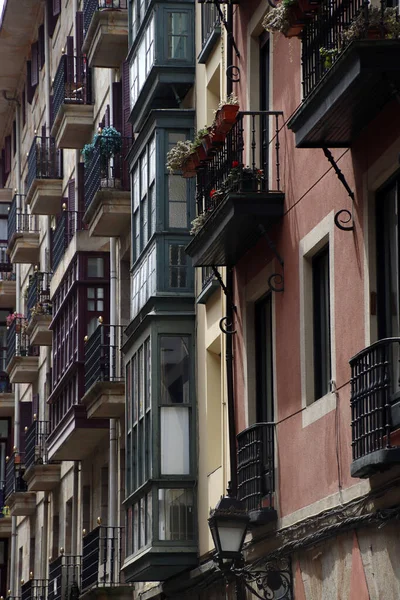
pixel 234 200
pixel 45 177
pixel 20 502
pixel 256 477
pixel 104 374
pixel 101 564
pixel 40 474
pixel 6 393
pixel 5 516
pixel 69 222
pixel 7 280
pixel 34 589
pixel 72 103
pixel 106 32
pixel 375 408
pixel 64 577
pixel 107 192
pixel 23 234
pixel 162 60
pixel 210 31
pixel 346 89
pixel 39 309
pixel 22 358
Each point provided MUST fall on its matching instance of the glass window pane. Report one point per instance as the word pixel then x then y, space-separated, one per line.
pixel 175 514
pixel 95 267
pixel 135 528
pixel 91 293
pixel 100 305
pixel 3 428
pixel 175 451
pixel 149 519
pixel 174 370
pixel 152 160
pixel 178 266
pixel 177 188
pixel 177 35
pixel 91 305
pixel 100 292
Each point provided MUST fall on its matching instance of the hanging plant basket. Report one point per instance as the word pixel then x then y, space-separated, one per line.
pixel 226 117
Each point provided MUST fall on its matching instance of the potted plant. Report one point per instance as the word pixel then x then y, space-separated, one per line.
pixel 371 23
pixel 328 55
pixel 179 156
pixel 286 18
pixel 226 114
pixel 87 153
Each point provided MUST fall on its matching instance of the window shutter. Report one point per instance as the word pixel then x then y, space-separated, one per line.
pixel 51 18
pixel 23 107
pixel 56 7
pixel 70 59
pixel 7 150
pixel 81 188
pixel 35 405
pixel 79 32
pixel 107 116
pixel 34 64
pixel 126 101
pixel 41 46
pixel 25 414
pixel 117 105
pixel 29 89
pixel 3 168
pixel 71 195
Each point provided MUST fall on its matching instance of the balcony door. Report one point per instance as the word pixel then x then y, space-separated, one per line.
pixel 264 361
pixel 388 281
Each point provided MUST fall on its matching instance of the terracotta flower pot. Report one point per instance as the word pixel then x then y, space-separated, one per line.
pixel 207 143
pixel 226 117
pixel 201 153
pixel 218 137
pixel 189 168
pixel 297 22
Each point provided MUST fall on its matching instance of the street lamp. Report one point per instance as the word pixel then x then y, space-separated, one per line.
pixel 228 524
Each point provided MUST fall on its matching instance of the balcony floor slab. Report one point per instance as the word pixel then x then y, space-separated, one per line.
pixel 5 527
pixel 109 213
pixel 73 125
pixel 7 404
pixel 7 294
pixel 21 504
pixel 104 592
pixel 44 196
pixel 375 462
pixel 23 369
pixel 106 41
pixel 42 478
pixel 38 330
pixel 105 400
pixel 24 248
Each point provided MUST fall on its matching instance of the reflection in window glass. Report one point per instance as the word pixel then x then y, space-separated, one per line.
pixel 178 266
pixel 174 370
pixel 175 450
pixel 95 267
pixel 176 514
pixel 177 188
pixel 177 35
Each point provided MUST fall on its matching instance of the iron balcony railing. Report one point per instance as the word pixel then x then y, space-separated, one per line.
pixel 15 469
pixel 4 510
pixel 34 589
pixel 38 299
pixel 7 272
pixel 103 356
pixel 242 162
pixel 325 36
pixel 210 20
pixel 65 577
pixel 375 387
pixel 44 160
pixel 36 443
pixel 17 338
pixel 256 463
pixel 102 558
pixel 104 172
pixel 91 6
pixel 69 222
pixel 19 221
pixel 72 83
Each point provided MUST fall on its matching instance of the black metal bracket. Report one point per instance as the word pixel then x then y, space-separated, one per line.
pixel 225 324
pixel 276 281
pixel 269 580
pixel 217 5
pixel 344 216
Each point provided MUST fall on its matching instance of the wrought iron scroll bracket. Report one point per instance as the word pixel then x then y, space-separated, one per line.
pixel 343 218
pixel 225 24
pixel 225 324
pixel 271 580
pixel 276 281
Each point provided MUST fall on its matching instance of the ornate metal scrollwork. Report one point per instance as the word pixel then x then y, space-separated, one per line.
pixel 339 221
pixel 226 325
pixel 276 281
pixel 269 581
pixel 233 73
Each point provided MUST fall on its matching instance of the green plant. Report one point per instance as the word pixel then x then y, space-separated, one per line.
pixel 110 141
pixel 178 154
pixel 87 153
pixel 328 54
pixel 231 99
pixel 198 223
pixel 387 23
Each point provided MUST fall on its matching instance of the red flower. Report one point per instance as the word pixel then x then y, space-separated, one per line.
pixel 235 164
pixel 212 193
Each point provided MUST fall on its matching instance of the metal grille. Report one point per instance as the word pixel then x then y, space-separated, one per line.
pixel 104 172
pixel 34 589
pixel 324 30
pixel 15 470
pixel 19 221
pixel 103 356
pixel 69 223
pixel 64 577
pixel 209 21
pixel 374 386
pixel 7 272
pixel 36 443
pixel 241 163
pixel 39 293
pixel 102 558
pixel 90 7
pixel 18 340
pixel 256 482
pixel 44 160
pixel 72 83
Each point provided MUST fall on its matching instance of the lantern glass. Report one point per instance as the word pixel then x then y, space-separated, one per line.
pixel 231 536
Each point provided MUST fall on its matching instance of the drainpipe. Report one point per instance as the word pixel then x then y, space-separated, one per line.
pixel 229 383
pixel 44 558
pixel 75 509
pixel 113 449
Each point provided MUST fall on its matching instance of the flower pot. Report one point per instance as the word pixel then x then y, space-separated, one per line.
pixel 207 142
pixel 201 153
pixel 226 117
pixel 376 33
pixel 218 138
pixel 308 7
pixel 188 168
pixel 297 22
pixel 248 183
